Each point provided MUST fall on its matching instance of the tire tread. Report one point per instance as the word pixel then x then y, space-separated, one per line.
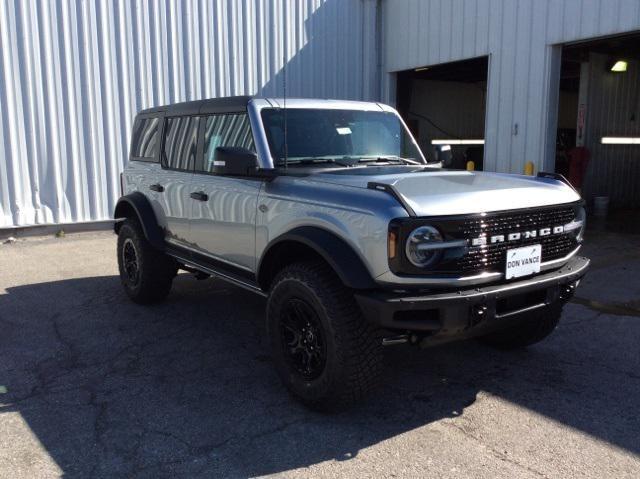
pixel 157 271
pixel 359 343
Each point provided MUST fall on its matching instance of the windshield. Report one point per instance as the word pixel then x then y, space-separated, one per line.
pixel 344 137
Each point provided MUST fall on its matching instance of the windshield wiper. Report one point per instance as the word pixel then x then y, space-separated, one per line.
pixel 391 159
pixel 342 161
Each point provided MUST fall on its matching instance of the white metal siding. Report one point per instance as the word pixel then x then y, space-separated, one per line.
pixel 74 73
pixel 521 37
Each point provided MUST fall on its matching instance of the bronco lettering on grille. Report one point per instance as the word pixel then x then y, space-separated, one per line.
pixel 515 236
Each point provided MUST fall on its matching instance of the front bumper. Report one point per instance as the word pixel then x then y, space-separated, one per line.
pixel 471 311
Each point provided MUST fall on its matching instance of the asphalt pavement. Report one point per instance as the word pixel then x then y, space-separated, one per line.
pixel 92 385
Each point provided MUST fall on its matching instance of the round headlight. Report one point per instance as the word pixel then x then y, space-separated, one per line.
pixel 422 246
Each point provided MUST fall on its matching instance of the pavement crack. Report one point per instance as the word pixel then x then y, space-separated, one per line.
pixel 277 429
pixel 494 452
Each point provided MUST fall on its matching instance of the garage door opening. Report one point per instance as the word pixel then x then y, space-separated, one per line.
pixel 598 137
pixel 444 105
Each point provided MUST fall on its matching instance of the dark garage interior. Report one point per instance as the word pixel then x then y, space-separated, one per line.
pixel 598 144
pixel 598 121
pixel 447 102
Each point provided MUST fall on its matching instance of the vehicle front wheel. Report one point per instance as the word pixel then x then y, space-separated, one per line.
pixel 533 328
pixel 325 352
pixel 145 273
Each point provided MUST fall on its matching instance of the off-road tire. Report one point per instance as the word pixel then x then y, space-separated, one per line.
pixel 535 327
pixel 353 364
pixel 156 270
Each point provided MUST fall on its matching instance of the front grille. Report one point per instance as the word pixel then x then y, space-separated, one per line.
pixel 492 257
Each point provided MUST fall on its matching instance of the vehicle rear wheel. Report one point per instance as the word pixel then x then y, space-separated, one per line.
pixel 325 352
pixel 145 273
pixel 535 327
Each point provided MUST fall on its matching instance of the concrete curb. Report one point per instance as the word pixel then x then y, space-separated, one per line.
pixel 46 230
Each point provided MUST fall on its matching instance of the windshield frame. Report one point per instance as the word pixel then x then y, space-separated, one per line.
pixel 265 158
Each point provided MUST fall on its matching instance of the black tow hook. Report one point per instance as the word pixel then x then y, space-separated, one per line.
pixel 567 291
pixel 478 313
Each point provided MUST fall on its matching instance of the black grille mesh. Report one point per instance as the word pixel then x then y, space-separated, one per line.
pixel 492 257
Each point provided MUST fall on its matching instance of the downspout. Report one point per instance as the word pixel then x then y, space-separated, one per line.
pixel 375 84
pixel 378 51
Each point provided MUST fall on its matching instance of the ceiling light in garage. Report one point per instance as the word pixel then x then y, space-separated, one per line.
pixel 457 142
pixel 619 66
pixel 620 140
pixel 421 69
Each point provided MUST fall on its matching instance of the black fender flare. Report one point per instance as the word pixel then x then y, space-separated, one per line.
pixel 139 205
pixel 334 250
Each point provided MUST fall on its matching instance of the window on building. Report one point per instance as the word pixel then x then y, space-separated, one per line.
pixel 180 142
pixel 145 139
pixel 231 129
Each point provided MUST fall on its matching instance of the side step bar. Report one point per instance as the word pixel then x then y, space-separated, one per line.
pixel 227 276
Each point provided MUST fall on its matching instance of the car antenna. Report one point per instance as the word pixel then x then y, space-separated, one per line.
pixel 284 103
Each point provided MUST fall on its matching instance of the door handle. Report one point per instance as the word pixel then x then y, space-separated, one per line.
pixel 199 195
pixel 156 187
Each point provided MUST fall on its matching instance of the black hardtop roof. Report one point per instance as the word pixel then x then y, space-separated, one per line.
pixel 228 104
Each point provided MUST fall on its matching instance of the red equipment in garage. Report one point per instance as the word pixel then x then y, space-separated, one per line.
pixel 578 161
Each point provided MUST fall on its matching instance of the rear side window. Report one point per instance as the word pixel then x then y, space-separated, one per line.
pixel 180 142
pixel 231 129
pixel 144 144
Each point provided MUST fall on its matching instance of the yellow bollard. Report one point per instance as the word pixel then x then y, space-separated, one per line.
pixel 528 168
pixel 471 166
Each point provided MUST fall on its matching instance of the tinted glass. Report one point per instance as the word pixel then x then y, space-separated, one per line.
pixel 145 138
pixel 327 133
pixel 226 130
pixel 180 142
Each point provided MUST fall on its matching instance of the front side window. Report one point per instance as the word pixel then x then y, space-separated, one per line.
pixel 232 129
pixel 354 135
pixel 145 139
pixel 180 142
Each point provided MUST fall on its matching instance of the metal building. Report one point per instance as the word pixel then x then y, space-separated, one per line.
pixel 525 44
pixel 513 75
pixel 73 73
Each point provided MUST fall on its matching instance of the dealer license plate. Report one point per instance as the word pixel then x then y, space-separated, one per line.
pixel 523 261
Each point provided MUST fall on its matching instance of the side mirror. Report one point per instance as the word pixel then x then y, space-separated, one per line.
pixel 444 155
pixel 235 161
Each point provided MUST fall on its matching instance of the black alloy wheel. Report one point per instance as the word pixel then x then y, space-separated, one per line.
pixel 130 261
pixel 303 340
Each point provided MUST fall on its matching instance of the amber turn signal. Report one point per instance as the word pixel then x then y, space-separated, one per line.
pixel 392 244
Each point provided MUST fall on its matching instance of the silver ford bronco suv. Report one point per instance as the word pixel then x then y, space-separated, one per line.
pixel 330 210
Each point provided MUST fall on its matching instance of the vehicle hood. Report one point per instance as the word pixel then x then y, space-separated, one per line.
pixel 434 192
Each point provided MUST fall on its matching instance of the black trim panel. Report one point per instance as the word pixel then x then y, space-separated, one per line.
pixel 390 189
pixel 143 210
pixel 335 251
pixel 557 177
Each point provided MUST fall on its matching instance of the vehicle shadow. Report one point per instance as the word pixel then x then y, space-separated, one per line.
pixel 111 388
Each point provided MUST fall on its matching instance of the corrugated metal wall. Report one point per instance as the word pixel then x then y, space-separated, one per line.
pixel 613 109
pixel 521 37
pixel 74 73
